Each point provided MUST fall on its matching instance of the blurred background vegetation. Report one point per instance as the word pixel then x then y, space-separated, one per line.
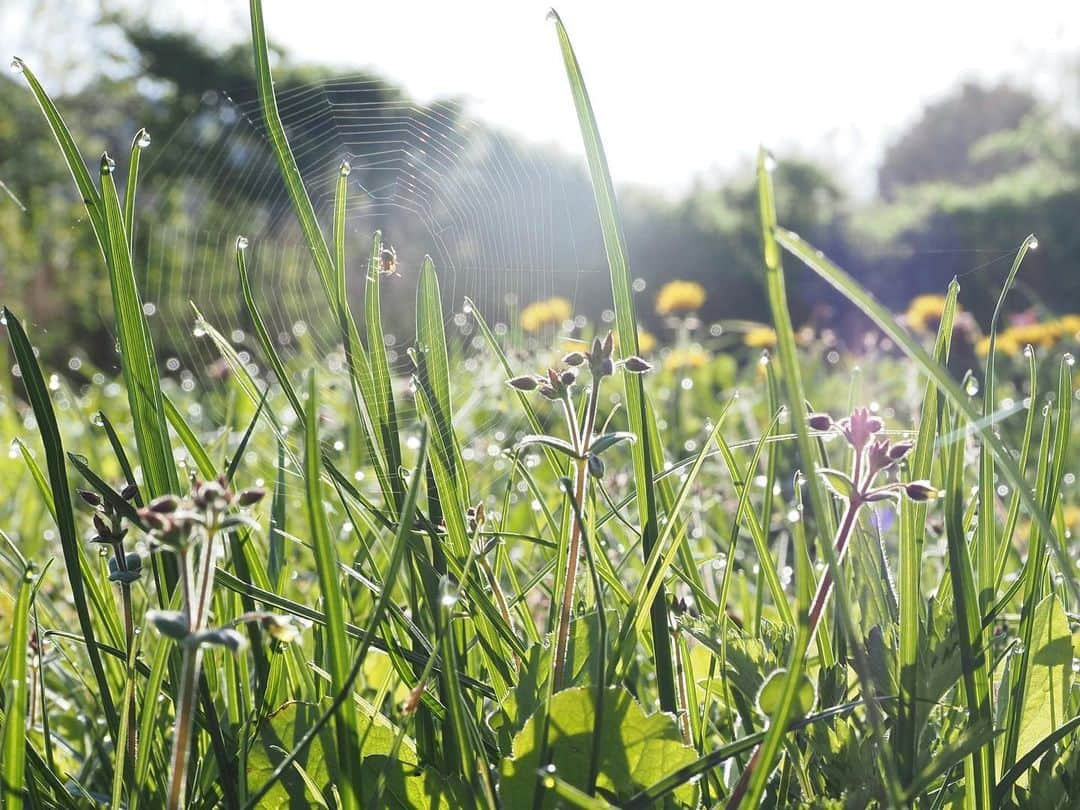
pixel 956 192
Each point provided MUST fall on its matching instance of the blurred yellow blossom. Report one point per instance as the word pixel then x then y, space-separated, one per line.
pixel 761 337
pixel 680 296
pixel 1007 344
pixel 549 312
pixel 646 341
pixel 686 359
pixel 1071 514
pixel 924 312
pixel 1070 325
pixel 1037 334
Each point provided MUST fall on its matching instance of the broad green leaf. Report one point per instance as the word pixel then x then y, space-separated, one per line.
pixel 1049 676
pixel 838 482
pixel 768 699
pixel 636 750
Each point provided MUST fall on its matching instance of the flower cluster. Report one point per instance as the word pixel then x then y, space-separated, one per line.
pixel 555 384
pixel 872 456
pixel 760 337
pixel 549 312
pixel 680 296
pixel 924 313
pixel 1044 334
pixel 108 531
pixel 170 521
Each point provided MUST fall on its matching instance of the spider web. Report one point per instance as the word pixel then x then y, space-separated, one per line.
pixel 503 223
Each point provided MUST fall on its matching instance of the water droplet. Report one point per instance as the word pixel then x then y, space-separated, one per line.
pixel 1032 243
pixel 1068 359
pixel 971 386
pixel 346 168
pixel 143 139
pixel 769 162
pixel 765 358
pixel 17 65
pixel 241 243
pixel 108 165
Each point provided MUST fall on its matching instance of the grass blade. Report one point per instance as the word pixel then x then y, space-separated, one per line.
pixel 16 699
pixel 338 659
pixel 38 395
pixel 626 328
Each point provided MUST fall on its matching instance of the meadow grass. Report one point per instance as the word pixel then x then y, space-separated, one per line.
pixel 324 597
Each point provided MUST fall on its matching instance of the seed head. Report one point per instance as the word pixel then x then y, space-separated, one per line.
pixel 574 359
pixel 523 383
pixel 820 421
pixel 635 365
pixel 92 498
pixel 921 491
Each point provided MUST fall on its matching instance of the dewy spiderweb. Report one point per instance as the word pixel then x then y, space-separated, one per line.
pixel 502 225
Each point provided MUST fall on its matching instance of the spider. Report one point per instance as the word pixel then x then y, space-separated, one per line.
pixel 388 262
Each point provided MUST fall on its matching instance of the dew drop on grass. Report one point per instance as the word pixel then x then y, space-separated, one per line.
pixel 346 168
pixel 549 775
pixel 765 358
pixel 1032 243
pixel 770 162
pixel 143 141
pixel 241 243
pixel 17 65
pixel 971 386
pixel 1029 351
pixel 1069 359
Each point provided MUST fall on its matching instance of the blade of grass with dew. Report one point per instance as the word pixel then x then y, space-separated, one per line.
pixel 79 173
pixel 912 528
pixel 138 143
pixel 190 441
pixel 986 544
pixel 979 765
pixel 786 349
pixel 38 395
pixel 948 387
pixel 16 698
pixel 382 384
pixel 137 358
pixel 626 328
pixel 1052 459
pixel 121 455
pixel 337 663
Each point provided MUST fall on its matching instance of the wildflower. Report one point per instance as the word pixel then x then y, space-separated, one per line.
pixel 922 491
pixel 1069 325
pixel 1035 334
pixel 760 337
pixel 680 296
pixel 646 341
pixel 686 359
pixel 549 312
pixel 924 312
pixel 636 365
pixel 1007 344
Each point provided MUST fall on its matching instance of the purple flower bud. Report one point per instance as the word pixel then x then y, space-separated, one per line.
pixel 92 498
pixel 820 421
pixel 635 365
pixel 574 359
pixel 900 449
pixel 523 383
pixel 250 497
pixel 163 505
pixel 129 492
pixel 567 377
pixel 921 491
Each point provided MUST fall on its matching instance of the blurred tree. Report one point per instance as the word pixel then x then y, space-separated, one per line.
pixel 938 147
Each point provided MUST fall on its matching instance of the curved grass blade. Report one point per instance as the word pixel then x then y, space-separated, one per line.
pixel 346 724
pixel 38 395
pixel 16 698
pixel 626 327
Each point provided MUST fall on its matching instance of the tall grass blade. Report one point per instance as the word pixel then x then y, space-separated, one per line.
pixel 16 699
pixel 645 464
pixel 38 394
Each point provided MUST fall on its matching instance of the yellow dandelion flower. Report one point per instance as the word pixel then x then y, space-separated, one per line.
pixel 686 359
pixel 1007 344
pixel 549 312
pixel 1069 325
pixel 1037 334
pixel 924 312
pixel 761 337
pixel 680 296
pixel 646 341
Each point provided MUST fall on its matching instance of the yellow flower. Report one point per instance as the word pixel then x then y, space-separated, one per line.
pixel 1007 344
pixel 1069 324
pixel 924 312
pixel 680 296
pixel 646 341
pixel 1071 514
pixel 550 312
pixel 761 337
pixel 1037 334
pixel 686 359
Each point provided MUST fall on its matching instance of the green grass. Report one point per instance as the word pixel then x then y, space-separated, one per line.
pixel 403 620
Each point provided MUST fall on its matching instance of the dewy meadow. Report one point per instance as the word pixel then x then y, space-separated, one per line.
pixel 529 559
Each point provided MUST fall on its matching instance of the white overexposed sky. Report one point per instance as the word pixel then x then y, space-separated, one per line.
pixel 681 89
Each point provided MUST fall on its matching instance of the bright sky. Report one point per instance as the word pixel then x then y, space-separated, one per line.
pixel 680 88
